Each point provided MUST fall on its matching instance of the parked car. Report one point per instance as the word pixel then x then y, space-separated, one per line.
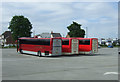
pixel 99 46
pixel 110 46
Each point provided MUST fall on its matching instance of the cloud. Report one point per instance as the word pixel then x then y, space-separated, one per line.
pixel 95 10
pixel 100 18
pixel 60 1
pixel 56 16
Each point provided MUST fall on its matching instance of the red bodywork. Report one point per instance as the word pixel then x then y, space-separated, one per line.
pixel 36 48
pixel 66 48
pixel 86 48
pixel 82 47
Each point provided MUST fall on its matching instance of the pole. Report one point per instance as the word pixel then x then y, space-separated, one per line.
pixel 33 33
pixel 86 32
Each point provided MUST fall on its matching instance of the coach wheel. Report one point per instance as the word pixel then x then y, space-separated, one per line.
pixel 39 54
pixel 21 51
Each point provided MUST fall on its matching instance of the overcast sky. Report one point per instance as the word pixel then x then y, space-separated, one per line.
pixel 100 18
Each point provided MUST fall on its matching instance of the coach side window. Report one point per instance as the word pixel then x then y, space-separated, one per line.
pixel 36 41
pixel 44 42
pixel 84 42
pixel 65 42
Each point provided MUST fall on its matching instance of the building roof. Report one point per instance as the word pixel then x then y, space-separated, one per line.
pixel 48 35
pixel 44 35
pixel 7 34
pixel 56 34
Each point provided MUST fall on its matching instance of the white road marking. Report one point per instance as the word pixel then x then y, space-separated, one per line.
pixel 108 73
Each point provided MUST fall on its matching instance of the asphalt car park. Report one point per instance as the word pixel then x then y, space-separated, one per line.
pixel 100 66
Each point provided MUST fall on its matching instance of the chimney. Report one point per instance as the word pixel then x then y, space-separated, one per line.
pixel 51 32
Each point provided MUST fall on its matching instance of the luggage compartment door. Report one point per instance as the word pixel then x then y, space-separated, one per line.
pixel 57 47
pixel 94 46
pixel 75 46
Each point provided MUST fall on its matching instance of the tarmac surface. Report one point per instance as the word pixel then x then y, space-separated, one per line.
pixel 100 66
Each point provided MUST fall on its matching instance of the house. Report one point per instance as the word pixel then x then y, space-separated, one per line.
pixel 1 40
pixel 49 35
pixel 6 39
pixel 55 35
pixel 44 35
pixel 103 41
pixel 67 36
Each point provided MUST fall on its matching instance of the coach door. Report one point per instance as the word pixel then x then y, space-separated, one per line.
pixel 75 46
pixel 57 47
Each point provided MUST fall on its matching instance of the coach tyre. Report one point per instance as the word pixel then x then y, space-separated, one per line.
pixel 39 53
pixel 21 51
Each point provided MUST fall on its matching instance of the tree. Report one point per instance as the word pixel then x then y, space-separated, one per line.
pixel 20 27
pixel 75 30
